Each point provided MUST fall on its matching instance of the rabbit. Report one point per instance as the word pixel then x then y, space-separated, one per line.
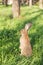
pixel 25 46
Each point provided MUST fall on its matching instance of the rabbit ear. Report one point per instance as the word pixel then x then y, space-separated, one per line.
pixel 27 26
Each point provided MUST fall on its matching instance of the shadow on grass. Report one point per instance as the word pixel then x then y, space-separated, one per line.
pixel 36 37
pixel 9 41
pixel 41 60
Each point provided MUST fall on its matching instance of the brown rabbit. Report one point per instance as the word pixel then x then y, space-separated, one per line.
pixel 25 45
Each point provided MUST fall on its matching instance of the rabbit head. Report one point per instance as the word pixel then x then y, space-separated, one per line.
pixel 27 26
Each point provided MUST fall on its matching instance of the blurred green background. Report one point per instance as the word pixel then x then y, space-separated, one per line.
pixel 10 35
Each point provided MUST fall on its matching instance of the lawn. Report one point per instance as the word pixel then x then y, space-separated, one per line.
pixel 10 35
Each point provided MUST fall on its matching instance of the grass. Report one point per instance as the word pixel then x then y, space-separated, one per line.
pixel 10 35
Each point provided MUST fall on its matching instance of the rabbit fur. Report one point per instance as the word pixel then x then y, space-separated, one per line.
pixel 25 46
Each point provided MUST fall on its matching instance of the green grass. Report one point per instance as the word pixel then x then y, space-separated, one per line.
pixel 10 35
